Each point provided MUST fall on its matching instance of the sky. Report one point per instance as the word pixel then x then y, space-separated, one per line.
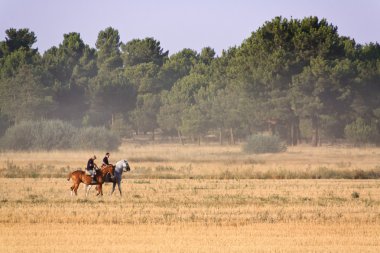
pixel 179 24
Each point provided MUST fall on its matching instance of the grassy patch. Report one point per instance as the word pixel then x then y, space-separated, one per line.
pixel 319 173
pixel 164 168
pixel 141 181
pixel 153 159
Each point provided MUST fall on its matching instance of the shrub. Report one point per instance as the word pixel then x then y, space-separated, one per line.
pixel 264 144
pixel 56 134
pixel 355 195
pixel 52 134
pixel 360 132
pixel 18 137
pixel 95 138
pixel 40 135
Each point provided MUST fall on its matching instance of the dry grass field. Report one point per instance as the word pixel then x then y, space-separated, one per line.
pixel 194 199
pixel 176 161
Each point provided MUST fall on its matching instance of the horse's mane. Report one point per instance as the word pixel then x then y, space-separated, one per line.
pixel 123 160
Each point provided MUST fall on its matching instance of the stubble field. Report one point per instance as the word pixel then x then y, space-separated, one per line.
pixel 195 199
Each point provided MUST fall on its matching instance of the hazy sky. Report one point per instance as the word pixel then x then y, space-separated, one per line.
pixel 181 24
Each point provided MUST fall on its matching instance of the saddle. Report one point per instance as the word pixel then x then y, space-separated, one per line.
pixel 108 178
pixel 87 172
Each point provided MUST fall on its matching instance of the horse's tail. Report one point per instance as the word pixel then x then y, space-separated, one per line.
pixel 69 176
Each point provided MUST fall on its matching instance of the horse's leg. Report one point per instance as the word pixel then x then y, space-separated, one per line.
pixel 100 189
pixel 119 185
pixel 88 188
pixel 76 189
pixel 113 187
pixel 72 188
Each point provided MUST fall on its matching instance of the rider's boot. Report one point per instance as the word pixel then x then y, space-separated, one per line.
pixel 93 180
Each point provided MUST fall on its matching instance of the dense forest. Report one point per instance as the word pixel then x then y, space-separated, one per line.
pixel 298 79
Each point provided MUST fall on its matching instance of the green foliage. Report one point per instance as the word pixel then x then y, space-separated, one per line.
pixel 120 127
pixel 194 121
pixel 39 135
pixel 359 132
pixel 306 130
pixel 110 93
pixel 207 55
pixel 169 116
pixel 98 138
pixel 108 45
pixel 17 50
pixel 259 144
pixel 55 134
pixel 144 77
pixel 23 97
pixel 144 116
pixel 177 66
pixel 21 38
pixel 143 51
pixel 67 71
pixel 295 78
pixel 4 123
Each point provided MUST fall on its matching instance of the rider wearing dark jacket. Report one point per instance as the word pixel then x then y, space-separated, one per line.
pixel 91 167
pixel 105 159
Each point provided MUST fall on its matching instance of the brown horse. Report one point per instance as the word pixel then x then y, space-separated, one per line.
pixel 80 176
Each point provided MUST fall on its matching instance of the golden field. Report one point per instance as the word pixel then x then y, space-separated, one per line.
pixel 199 212
pixel 192 160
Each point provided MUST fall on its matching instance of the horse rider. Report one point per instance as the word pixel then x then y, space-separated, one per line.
pixel 105 159
pixel 91 168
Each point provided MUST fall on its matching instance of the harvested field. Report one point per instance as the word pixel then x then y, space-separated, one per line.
pixel 196 213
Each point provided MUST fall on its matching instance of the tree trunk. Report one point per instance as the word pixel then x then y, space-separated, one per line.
pixel 298 131
pixel 153 136
pixel 315 126
pixel 232 139
pixel 199 140
pixel 220 136
pixel 180 137
pixel 292 133
pixel 272 128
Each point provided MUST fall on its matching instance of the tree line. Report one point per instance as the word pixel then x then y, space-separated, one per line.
pixel 295 78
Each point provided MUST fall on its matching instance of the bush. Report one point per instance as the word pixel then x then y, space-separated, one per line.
pixel 264 144
pixel 56 134
pixel 18 137
pixel 355 195
pixel 95 138
pixel 360 132
pixel 38 135
pixel 52 134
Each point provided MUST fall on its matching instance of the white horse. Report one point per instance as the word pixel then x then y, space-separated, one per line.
pixel 120 167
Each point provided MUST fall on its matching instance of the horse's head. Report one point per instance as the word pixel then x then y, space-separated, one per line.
pixel 126 166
